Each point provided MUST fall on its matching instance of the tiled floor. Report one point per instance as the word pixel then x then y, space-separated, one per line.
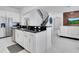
pixel 59 45
pixel 5 42
pixel 64 45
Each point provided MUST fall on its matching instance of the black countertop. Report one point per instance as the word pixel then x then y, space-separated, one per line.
pixel 33 29
pixel 30 30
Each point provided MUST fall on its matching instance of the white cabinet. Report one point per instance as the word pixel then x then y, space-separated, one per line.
pixel 41 42
pixel 26 40
pixel 29 41
pixel 33 42
pixel 49 37
pixel 19 37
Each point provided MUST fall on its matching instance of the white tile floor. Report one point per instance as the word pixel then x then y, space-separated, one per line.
pixel 5 42
pixel 59 45
pixel 64 45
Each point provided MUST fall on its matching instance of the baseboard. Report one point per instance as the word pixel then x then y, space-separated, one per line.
pixel 4 37
pixel 69 37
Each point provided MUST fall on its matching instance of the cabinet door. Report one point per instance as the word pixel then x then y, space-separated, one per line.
pixel 26 41
pixel 41 42
pixel 49 37
pixel 32 43
pixel 19 37
pixel 29 42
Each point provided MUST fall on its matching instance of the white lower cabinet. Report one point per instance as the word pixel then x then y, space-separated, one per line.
pixel 26 40
pixel 19 37
pixel 49 37
pixel 33 42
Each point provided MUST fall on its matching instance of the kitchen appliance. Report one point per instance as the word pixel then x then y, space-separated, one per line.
pixel 16 25
pixel 33 29
pixel 37 20
pixel 36 28
pixel 5 26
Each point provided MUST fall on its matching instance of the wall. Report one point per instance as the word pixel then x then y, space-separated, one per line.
pixel 8 8
pixel 9 12
pixel 67 29
pixel 57 13
pixel 27 9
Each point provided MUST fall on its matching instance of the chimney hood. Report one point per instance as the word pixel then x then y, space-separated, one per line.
pixel 44 15
pixel 37 17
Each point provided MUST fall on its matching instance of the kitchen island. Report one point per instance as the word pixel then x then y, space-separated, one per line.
pixel 33 41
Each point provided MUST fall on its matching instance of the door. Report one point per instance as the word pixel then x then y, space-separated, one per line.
pixel 30 41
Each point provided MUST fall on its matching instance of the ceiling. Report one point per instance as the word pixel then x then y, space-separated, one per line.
pixel 50 9
pixel 17 7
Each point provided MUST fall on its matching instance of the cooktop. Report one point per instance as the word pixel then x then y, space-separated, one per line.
pixel 33 29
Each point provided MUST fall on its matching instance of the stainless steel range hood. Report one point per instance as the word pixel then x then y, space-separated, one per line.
pixel 44 15
pixel 37 17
